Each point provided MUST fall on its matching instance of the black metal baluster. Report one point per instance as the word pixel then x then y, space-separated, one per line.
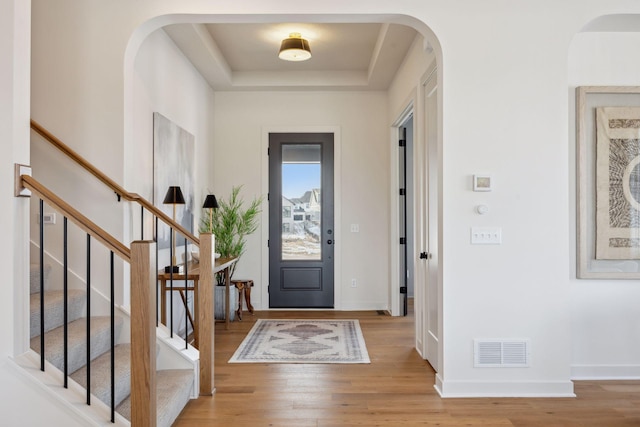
pixel 88 319
pixel 42 285
pixel 66 303
pixel 157 292
pixel 113 344
pixel 171 281
pixel 141 222
pixel 186 300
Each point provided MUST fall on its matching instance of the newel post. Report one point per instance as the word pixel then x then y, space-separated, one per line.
pixel 206 320
pixel 143 334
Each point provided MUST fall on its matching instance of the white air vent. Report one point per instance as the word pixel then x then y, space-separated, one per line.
pixel 501 353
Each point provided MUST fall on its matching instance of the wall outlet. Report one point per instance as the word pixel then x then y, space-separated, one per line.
pixel 354 283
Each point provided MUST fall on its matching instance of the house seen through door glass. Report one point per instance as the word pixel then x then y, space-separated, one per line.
pixel 301 204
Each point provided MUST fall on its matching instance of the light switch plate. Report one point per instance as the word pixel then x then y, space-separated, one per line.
pixel 486 235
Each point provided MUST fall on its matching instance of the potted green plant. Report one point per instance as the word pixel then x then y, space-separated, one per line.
pixel 231 223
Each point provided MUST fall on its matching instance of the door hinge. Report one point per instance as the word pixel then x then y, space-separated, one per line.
pixel 403 240
pixel 268 195
pixel 402 142
pixel 267 242
pixel 403 191
pixel 268 151
pixel 403 289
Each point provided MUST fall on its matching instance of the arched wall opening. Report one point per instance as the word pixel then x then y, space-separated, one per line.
pixel 406 88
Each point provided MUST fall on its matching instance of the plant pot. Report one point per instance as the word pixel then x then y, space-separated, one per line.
pixel 219 300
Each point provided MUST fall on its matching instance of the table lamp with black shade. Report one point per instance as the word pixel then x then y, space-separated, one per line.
pixel 210 203
pixel 174 197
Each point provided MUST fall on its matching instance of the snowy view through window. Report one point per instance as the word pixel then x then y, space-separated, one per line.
pixel 301 211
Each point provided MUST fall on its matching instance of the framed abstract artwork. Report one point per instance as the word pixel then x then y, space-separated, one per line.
pixel 173 165
pixel 608 178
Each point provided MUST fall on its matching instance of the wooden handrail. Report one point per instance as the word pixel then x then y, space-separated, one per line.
pixel 76 217
pixel 143 278
pixel 119 190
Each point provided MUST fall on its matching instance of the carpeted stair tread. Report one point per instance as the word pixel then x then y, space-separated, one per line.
pixel 174 387
pixel 101 375
pixel 54 309
pixel 34 277
pixel 100 342
pixel 173 391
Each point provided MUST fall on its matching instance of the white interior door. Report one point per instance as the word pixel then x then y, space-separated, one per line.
pixel 429 215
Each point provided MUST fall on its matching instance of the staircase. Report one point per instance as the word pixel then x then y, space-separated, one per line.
pixel 174 387
pixel 153 372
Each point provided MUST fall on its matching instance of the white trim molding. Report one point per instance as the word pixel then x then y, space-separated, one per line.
pixel 605 372
pixel 460 389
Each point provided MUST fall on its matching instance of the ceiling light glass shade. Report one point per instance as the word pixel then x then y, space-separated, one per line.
pixel 294 48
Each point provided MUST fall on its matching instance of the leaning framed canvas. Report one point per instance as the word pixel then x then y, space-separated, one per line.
pixel 173 165
pixel 608 178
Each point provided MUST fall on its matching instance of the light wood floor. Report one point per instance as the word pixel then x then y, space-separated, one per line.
pixel 396 389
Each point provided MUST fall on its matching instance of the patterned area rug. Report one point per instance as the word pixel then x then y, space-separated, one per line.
pixel 303 341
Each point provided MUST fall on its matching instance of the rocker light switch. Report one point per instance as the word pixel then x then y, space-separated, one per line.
pixel 486 235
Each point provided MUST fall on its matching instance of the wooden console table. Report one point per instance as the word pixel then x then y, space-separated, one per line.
pixel 193 274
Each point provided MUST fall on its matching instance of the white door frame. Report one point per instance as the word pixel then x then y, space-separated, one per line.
pixel 395 302
pixel 427 194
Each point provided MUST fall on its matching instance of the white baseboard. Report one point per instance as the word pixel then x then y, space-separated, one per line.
pixel 605 372
pixel 363 306
pixel 460 389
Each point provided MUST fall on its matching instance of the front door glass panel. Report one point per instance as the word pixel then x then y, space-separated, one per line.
pixel 301 202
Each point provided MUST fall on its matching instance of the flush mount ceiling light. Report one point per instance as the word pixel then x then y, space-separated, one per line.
pixel 294 48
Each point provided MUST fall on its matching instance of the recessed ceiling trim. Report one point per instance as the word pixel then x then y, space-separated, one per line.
pixel 201 50
pixel 299 78
pixel 213 48
pixel 384 28
pixel 242 56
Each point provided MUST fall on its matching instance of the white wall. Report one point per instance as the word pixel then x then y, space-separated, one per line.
pixel 505 108
pixel 605 320
pixel 166 82
pixel 403 88
pixel 14 134
pixel 17 396
pixel 242 118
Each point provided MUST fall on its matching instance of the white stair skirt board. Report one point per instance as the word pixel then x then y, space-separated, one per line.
pixel 605 372
pixel 504 388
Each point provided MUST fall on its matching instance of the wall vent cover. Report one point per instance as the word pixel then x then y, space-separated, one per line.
pixel 501 353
